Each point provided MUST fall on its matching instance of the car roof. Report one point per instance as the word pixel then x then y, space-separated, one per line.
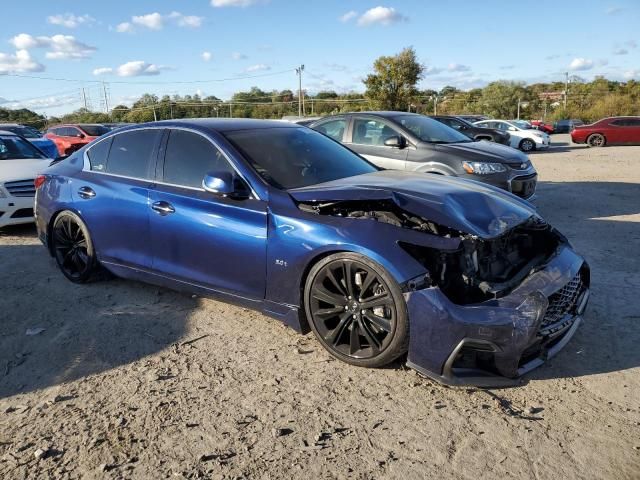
pixel 216 124
pixel 6 132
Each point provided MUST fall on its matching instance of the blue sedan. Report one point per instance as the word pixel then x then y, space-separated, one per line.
pixel 465 278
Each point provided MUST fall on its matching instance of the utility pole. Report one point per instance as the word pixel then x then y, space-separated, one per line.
pixel 84 98
pixel 230 112
pixel 299 71
pixel 518 117
pixel 106 101
pixel 566 90
pixel 155 118
pixel 435 104
pixel 171 108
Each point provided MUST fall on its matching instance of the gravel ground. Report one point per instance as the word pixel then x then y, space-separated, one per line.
pixel 130 381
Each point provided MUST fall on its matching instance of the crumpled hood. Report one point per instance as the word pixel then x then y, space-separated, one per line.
pixel 464 205
pixel 479 151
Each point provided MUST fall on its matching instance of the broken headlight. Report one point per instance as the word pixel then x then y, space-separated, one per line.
pixel 483 168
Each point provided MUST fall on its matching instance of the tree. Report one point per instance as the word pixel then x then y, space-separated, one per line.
pixel 393 84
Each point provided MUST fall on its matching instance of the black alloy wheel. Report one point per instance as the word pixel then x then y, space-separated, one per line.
pixel 356 310
pixel 72 248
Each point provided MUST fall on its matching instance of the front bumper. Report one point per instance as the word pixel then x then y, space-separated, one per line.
pixel 16 210
pixel 493 343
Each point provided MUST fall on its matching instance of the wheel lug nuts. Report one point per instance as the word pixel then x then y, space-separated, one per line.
pixel 362 312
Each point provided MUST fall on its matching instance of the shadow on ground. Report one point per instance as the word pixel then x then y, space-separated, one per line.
pixel 53 331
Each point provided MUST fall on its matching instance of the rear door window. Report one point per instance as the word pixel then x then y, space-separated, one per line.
pixel 189 157
pixel 334 128
pixel 132 152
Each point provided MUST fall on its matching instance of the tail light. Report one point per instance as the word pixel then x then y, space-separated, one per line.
pixel 39 181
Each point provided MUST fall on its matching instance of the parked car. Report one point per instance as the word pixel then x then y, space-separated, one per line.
pixel 408 141
pixel 69 138
pixel 608 131
pixel 540 125
pixel 566 126
pixel 472 131
pixel 20 162
pixel 304 121
pixel 473 118
pixel 466 278
pixel 33 136
pixel 523 135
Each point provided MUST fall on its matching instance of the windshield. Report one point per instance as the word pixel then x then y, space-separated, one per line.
pixel 297 157
pixel 15 148
pixel 26 132
pixel 522 124
pixel 94 130
pixel 430 130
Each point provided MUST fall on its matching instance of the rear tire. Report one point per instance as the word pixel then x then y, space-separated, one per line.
pixel 73 249
pixel 356 310
pixel 527 145
pixel 596 140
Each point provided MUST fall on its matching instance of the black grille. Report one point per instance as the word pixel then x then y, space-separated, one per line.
pixel 23 213
pixel 21 188
pixel 563 301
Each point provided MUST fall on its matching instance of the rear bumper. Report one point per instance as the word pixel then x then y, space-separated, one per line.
pixel 493 343
pixel 16 210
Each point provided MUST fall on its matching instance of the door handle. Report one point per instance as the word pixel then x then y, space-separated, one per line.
pixel 86 193
pixel 163 208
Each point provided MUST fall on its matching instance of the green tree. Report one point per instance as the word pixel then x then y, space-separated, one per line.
pixel 393 84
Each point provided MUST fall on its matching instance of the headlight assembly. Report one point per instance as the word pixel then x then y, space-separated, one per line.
pixel 483 168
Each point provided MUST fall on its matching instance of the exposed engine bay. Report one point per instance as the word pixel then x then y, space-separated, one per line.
pixel 476 269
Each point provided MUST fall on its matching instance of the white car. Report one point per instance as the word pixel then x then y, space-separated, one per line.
pixel 523 135
pixel 20 163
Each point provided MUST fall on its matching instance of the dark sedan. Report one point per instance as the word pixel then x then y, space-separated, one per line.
pixel 407 141
pixel 608 131
pixel 466 278
pixel 474 132
pixel 566 126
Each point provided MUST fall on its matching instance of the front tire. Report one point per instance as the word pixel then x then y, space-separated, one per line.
pixel 596 140
pixel 356 310
pixel 73 249
pixel 527 145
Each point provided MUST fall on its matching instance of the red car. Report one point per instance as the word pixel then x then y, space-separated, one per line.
pixel 69 138
pixel 540 125
pixel 609 131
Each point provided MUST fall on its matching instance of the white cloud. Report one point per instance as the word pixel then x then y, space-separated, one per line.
pixel 61 47
pixel 432 70
pixel 138 68
pixel 456 67
pixel 235 3
pixel 238 56
pixel 152 21
pixel 20 62
pixel 124 27
pixel 581 64
pixel 70 20
pixel 102 71
pixel 382 16
pixel 348 16
pixel 260 67
pixel 156 21
pixel 206 56
pixel 631 74
pixel 614 10
pixel 620 51
pixel 42 103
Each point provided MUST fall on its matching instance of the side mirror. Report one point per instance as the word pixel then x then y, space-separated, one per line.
pixel 80 135
pixel 224 184
pixel 395 142
pixel 512 129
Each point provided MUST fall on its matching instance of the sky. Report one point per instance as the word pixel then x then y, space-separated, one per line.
pixel 82 50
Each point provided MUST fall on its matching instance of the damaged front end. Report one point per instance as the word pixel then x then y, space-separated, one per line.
pixel 492 304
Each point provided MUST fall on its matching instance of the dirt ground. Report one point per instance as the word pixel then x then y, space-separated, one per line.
pixel 132 381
